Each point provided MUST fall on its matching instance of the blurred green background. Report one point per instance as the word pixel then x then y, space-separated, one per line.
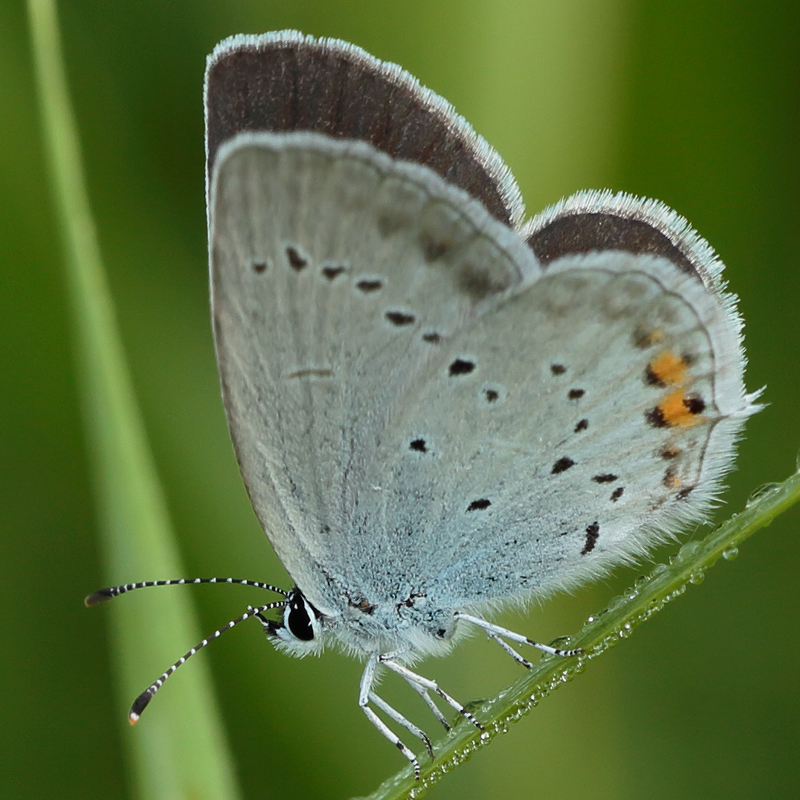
pixel 697 104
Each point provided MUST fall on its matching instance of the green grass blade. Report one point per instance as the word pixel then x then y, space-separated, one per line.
pixel 178 751
pixel 665 583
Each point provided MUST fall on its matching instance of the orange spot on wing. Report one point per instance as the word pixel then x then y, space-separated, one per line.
pixel 679 410
pixel 667 368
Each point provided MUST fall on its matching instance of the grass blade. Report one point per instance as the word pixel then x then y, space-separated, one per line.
pixel 181 753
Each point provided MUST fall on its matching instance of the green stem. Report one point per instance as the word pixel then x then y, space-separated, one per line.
pixel 665 583
pixel 181 753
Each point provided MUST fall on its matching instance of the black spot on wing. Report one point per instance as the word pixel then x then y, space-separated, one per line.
pixel 604 477
pixel 400 318
pixel 296 260
pixel 562 465
pixel 461 366
pixel 592 535
pixel 369 285
pixel 651 378
pixel 331 271
pixel 695 404
pixel 655 417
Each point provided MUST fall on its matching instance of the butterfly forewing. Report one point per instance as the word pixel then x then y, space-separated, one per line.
pixel 338 275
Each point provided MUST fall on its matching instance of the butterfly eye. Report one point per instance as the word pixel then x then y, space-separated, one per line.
pixel 298 617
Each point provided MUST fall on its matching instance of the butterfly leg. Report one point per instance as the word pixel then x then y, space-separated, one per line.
pixel 424 685
pixel 496 630
pixel 510 650
pixel 365 695
pixel 423 693
pixel 401 720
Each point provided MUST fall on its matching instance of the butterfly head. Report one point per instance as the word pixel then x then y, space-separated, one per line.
pixel 299 631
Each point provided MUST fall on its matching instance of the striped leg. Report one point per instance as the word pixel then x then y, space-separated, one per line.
pixel 365 694
pixel 431 705
pixel 497 630
pixel 427 685
pixel 401 720
pixel 510 650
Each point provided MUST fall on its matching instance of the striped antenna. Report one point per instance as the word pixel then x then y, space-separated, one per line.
pixel 102 595
pixel 146 696
pixel 140 703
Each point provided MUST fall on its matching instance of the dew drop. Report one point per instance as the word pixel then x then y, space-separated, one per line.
pixel 760 492
pixel 697 577
pixel 616 603
pixel 689 550
pixel 730 553
pixel 659 570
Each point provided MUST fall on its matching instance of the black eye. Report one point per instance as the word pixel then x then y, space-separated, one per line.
pixel 298 620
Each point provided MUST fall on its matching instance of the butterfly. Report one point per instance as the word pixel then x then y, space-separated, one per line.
pixel 436 406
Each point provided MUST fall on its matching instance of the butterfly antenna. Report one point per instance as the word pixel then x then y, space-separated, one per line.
pixel 140 703
pixel 114 591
